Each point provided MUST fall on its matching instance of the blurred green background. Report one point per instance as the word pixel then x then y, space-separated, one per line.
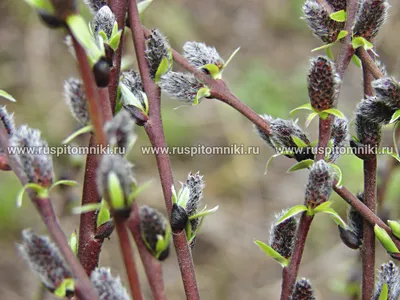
pixel 268 74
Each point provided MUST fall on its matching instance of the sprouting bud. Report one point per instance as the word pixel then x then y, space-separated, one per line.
pixel 114 181
pixel 323 83
pixel 319 186
pixel 199 54
pixel 119 130
pixel 157 50
pixel 349 238
pixel 37 165
pixel 183 86
pixel 388 274
pixel 95 5
pixel 339 137
pixel 104 20
pixel 355 220
pixel 283 235
pixel 105 230
pixel 303 290
pixel 155 232
pixel 371 15
pixel 375 110
pixel 281 138
pixel 368 133
pixel 133 81
pixel 387 89
pixel 107 286
pixel 44 259
pixel 320 23
pixel 75 97
pixel 338 4
pixel 7 120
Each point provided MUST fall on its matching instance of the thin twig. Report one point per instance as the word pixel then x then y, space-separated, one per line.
pixel 155 132
pixel 127 254
pixel 151 265
pixel 119 8
pixel 289 273
pixel 368 63
pixel 85 290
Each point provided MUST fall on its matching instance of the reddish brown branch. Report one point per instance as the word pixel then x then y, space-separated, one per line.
pixel 151 265
pixel 368 63
pixel 155 132
pixel 127 254
pixel 119 8
pixel 289 273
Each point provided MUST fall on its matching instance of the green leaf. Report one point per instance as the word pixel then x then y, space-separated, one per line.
pixel 203 92
pixel 83 130
pixel 310 118
pixel 143 5
pixel 41 191
pixel 7 96
pixel 342 34
pixel 299 142
pixel 335 112
pixel 213 70
pixel 306 106
pixel 384 292
pixel 339 16
pixel 66 285
pixel 115 40
pixel 86 208
pixel 395 116
pixel 359 41
pixel 80 31
pixel 291 212
pixel 395 226
pixel 356 61
pixel 41 4
pixel 270 160
pixel 385 239
pixel 73 242
pixel 323 115
pixel 183 196
pixel 204 213
pixel 329 53
pixel 115 191
pixel 229 59
pixel 323 47
pixel 64 182
pixel 339 174
pixel 104 214
pixel 304 164
pixel 163 68
pixel 129 98
pixel 174 195
pixel 335 216
pixel 320 208
pixel 115 29
pixel 139 189
pixel 103 36
pixel 272 253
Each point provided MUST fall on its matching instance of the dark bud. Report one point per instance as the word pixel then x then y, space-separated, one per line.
pixel 319 186
pixel 101 71
pixel 137 114
pixel 349 238
pixel 303 290
pixel 179 218
pixel 283 235
pixel 50 20
pixel 105 230
pixel 303 154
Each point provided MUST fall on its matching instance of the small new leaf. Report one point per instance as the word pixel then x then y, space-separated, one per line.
pixel 335 112
pixel 77 133
pixel 311 117
pixel 356 61
pixel 335 216
pixel 86 208
pixel 320 208
pixel 270 160
pixel 306 106
pixel 338 174
pixel 204 213
pixel 115 191
pixel 395 116
pixel 143 5
pixel 67 285
pixel 395 226
pixel 7 96
pixel 130 98
pixel 203 92
pixel 304 164
pixel 339 16
pixel 272 253
pixel 115 40
pixel 385 239
pixel 299 142
pixel 73 242
pixel 41 191
pixel 162 69
pixel 384 293
pixel 229 59
pixel 292 212
pixel 104 214
pixel 63 182
pixel 359 41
